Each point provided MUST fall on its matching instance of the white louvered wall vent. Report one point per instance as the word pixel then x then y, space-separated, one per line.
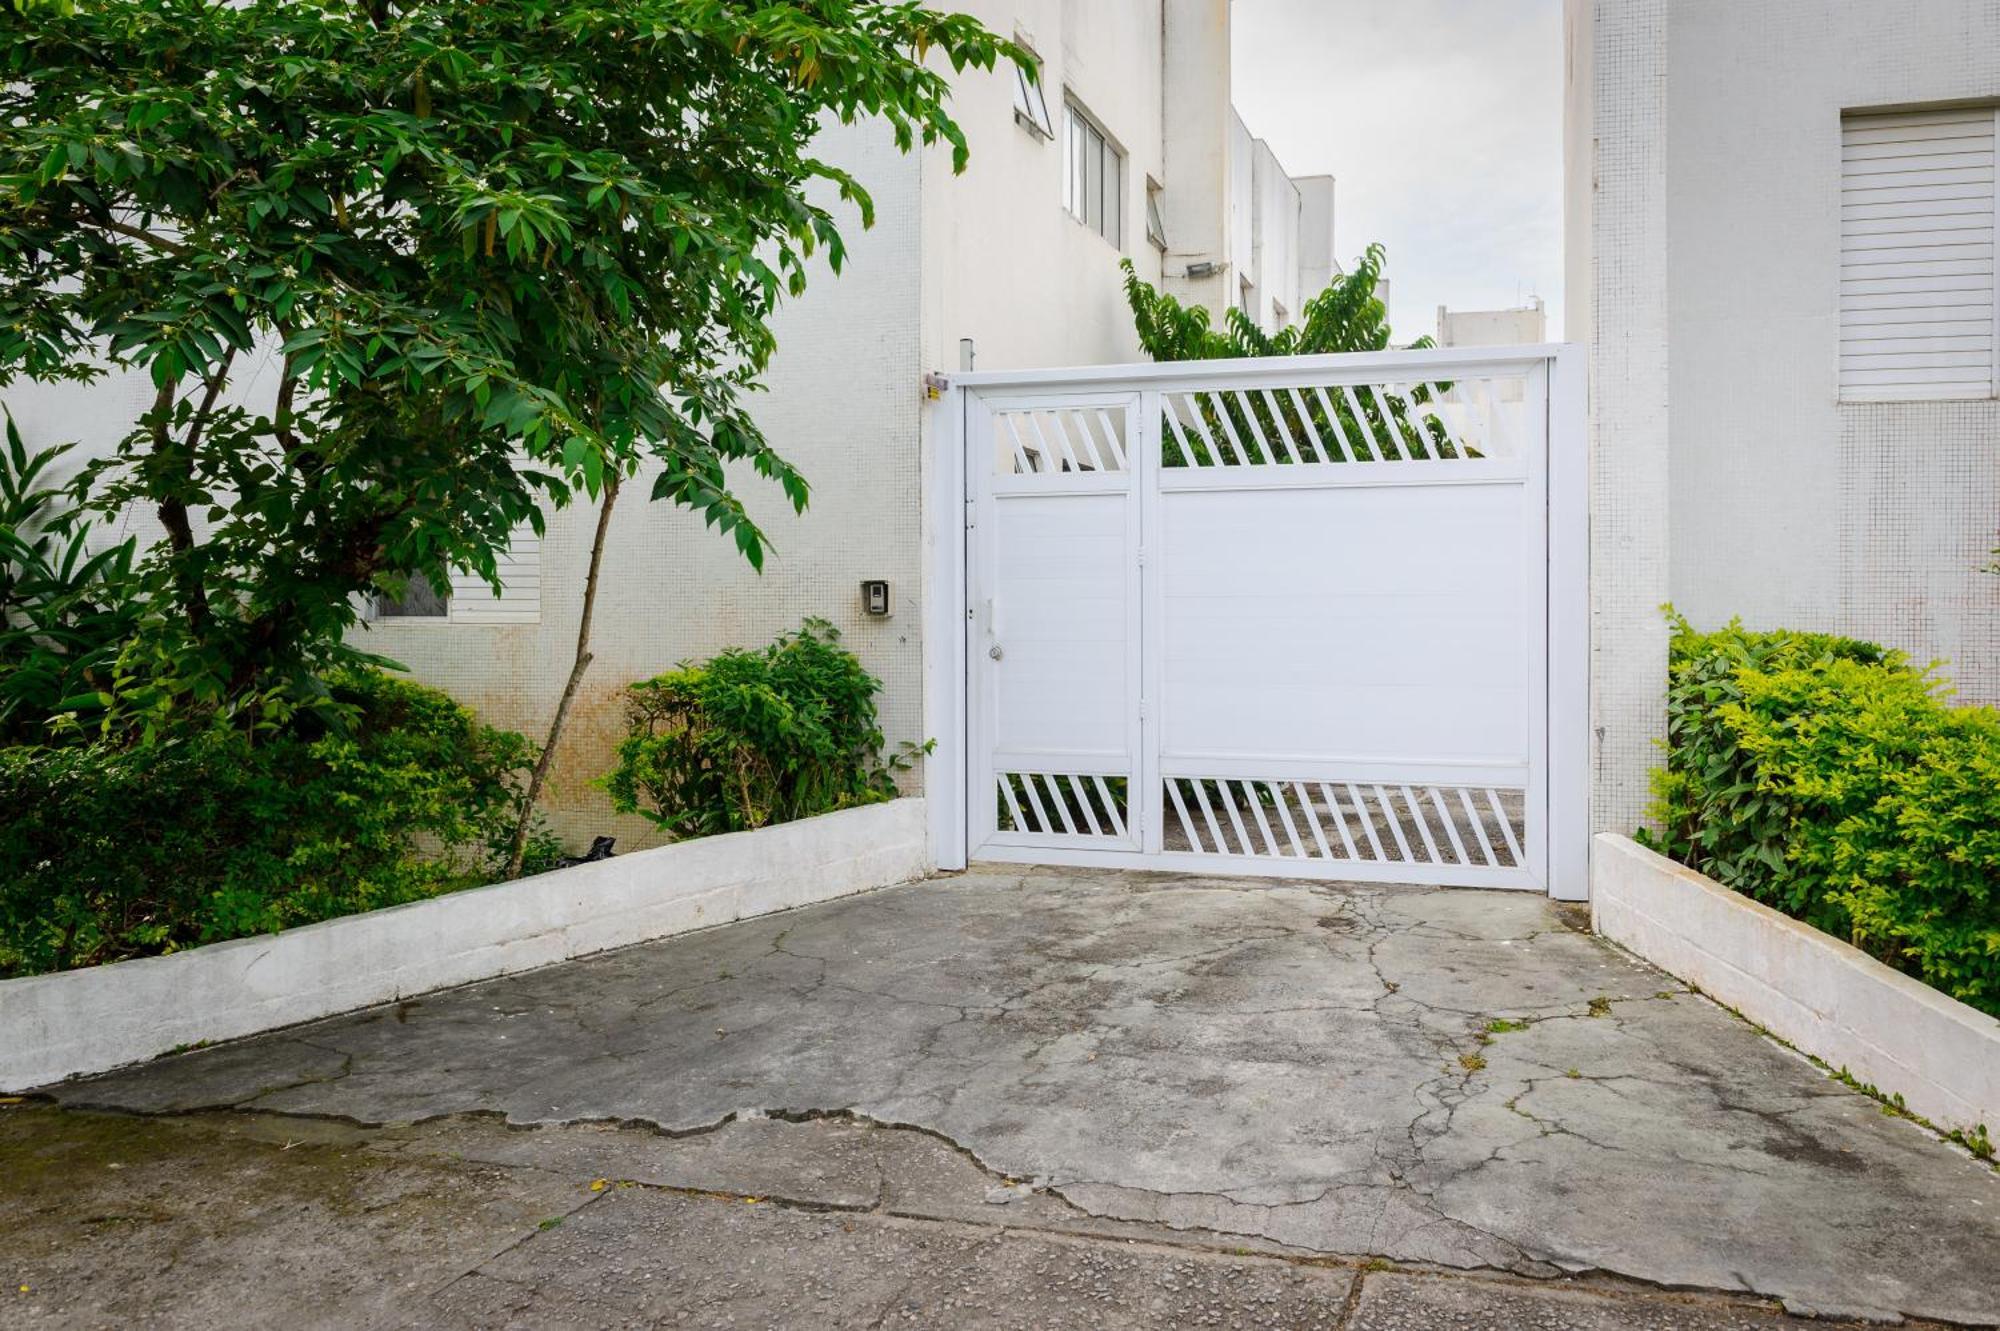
pixel 520 598
pixel 1918 317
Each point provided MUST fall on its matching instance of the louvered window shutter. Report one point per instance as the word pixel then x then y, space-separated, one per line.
pixel 520 598
pixel 1918 315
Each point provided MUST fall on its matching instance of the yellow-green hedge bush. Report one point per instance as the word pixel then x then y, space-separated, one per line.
pixel 1833 780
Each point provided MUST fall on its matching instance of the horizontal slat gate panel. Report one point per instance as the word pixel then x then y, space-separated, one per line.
pixel 1918 266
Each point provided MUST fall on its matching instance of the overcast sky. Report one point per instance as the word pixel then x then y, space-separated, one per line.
pixel 1442 123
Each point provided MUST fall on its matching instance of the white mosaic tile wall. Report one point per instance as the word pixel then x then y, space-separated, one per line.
pixel 1919 520
pixel 1629 376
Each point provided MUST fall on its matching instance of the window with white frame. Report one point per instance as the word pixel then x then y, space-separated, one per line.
pixel 469 598
pixel 1093 175
pixel 420 600
pixel 1919 211
pixel 1031 109
pixel 1156 229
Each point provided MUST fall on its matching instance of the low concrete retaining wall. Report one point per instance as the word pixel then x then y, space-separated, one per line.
pixel 1828 998
pixel 75 1022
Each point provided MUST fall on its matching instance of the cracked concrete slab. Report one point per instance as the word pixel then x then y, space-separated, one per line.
pixel 222 1219
pixel 1445 1077
pixel 647 1258
pixel 1393 1301
pixel 126 1222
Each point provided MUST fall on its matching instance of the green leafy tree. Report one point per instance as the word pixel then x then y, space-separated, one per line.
pixel 403 271
pixel 1347 316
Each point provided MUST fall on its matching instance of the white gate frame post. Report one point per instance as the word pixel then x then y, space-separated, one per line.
pixel 947 508
pixel 1569 625
pixel 1147 798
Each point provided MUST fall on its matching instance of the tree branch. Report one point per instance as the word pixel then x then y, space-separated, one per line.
pixel 518 851
pixel 139 234
pixel 281 419
pixel 202 413
pixel 174 517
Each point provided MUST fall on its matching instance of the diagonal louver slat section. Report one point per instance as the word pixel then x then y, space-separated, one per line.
pixel 1312 424
pixel 1345 822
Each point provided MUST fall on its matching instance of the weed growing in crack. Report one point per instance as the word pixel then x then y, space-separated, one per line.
pixel 1472 1062
pixel 1974 1139
pixel 1501 1026
pixel 1573 1074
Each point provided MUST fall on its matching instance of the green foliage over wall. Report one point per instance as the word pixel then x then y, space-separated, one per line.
pixel 1829 778
pixel 1232 431
pixel 1347 316
pixel 752 738
pixel 109 852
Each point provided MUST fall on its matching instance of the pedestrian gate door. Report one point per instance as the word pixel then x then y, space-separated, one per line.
pixel 1287 616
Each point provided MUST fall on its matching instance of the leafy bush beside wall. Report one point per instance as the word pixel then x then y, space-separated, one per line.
pixel 67 607
pixel 752 738
pixel 109 852
pixel 1831 779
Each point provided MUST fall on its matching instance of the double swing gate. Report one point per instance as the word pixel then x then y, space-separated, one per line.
pixel 1315 617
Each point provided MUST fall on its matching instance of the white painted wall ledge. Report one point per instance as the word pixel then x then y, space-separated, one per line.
pixel 1828 998
pixel 78 1022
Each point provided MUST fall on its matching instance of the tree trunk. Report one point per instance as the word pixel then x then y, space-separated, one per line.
pixel 576 670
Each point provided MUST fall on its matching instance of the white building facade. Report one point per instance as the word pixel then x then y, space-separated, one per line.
pixel 1781 225
pixel 1522 325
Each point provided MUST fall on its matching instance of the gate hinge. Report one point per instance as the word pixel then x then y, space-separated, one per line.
pixel 935 385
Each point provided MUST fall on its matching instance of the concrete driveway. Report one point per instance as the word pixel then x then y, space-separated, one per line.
pixel 1042 1099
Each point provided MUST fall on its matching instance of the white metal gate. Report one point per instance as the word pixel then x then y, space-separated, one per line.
pixel 1299 617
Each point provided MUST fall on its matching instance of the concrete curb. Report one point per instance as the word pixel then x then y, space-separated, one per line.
pixel 1829 999
pixel 79 1022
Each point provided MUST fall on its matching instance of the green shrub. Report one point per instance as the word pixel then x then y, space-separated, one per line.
pixel 66 609
pixel 109 852
pixel 1829 778
pixel 752 738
